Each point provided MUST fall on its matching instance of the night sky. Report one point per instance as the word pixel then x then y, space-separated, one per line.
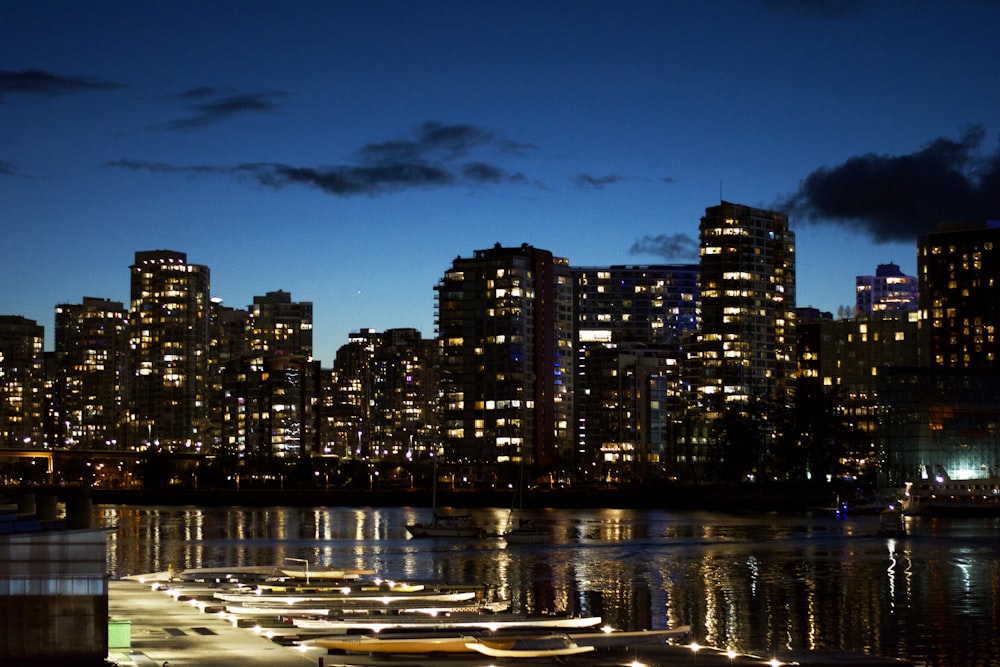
pixel 347 152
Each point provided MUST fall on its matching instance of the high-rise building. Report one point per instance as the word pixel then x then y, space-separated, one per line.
pixel 280 326
pixel 169 322
pixel 743 360
pixel 888 291
pixel 505 323
pixel 959 273
pixel 93 374
pixel 270 389
pixel 22 366
pixel 747 340
pixel 630 321
pixel 385 396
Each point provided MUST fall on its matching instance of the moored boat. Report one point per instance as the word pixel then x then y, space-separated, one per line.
pixel 528 647
pixel 941 495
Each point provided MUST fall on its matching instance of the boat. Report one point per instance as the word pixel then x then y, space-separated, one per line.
pixel 376 645
pixel 426 623
pixel 528 647
pixel 891 522
pixel 445 640
pixel 527 532
pixel 444 525
pixel 940 495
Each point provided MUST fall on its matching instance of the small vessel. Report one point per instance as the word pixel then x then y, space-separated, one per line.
pixel 941 495
pixel 429 623
pixel 528 646
pixel 527 532
pixel 891 522
pixel 444 525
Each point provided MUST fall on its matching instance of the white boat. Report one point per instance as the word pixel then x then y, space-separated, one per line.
pixel 481 621
pixel 445 525
pixel 438 641
pixel 941 495
pixel 528 647
pixel 527 532
pixel 340 599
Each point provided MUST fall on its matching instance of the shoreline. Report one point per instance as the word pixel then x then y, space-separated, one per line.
pixel 752 498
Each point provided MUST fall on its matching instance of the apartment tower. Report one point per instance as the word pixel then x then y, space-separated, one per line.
pixel 92 352
pixel 505 322
pixel 169 322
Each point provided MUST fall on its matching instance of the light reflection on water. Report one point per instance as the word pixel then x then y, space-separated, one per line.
pixel 748 582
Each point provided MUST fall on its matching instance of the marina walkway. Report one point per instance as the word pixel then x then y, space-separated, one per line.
pixel 177 633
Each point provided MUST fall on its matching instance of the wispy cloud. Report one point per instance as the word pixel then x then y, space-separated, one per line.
pixel 46 84
pixel 210 105
pixel 590 182
pixel 424 161
pixel 7 168
pixel 673 247
pixel 897 197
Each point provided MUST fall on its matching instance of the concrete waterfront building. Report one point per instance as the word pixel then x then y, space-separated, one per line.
pixel 53 583
pixel 629 323
pixel 22 367
pixel 505 323
pixel 93 375
pixel 888 291
pixel 169 318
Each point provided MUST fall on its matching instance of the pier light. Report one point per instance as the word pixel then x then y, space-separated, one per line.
pixel 607 629
pixel 775 662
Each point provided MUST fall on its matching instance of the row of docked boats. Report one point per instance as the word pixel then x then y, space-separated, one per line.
pixel 353 612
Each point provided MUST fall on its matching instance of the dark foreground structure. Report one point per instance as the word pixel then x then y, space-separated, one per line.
pixel 53 584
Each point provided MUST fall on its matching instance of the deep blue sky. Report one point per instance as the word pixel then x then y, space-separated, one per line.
pixel 347 152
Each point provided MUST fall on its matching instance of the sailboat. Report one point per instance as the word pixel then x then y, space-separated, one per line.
pixel 444 525
pixel 526 531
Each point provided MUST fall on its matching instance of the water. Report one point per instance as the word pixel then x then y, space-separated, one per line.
pixel 754 583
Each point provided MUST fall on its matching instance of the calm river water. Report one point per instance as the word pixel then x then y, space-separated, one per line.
pixel 748 582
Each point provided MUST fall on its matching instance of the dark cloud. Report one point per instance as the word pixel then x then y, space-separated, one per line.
pixel 399 165
pixel 165 168
pixel 895 198
pixel 219 107
pixel 346 181
pixel 37 82
pixel 589 182
pixel 672 247
pixel 817 8
pixel 437 141
pixel 7 168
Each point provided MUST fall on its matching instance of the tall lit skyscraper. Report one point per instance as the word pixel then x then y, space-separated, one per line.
pixel 747 341
pixel 959 272
pixel 21 382
pixel 94 379
pixel 505 322
pixel 169 322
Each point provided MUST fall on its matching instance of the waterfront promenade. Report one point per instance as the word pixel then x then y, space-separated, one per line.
pixel 178 634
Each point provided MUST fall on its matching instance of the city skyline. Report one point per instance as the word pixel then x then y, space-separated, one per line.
pixel 347 152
